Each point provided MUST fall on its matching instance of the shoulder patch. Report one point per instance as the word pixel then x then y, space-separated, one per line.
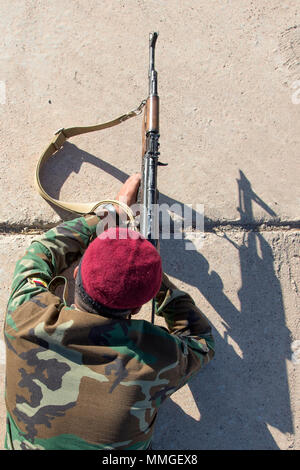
pixel 36 281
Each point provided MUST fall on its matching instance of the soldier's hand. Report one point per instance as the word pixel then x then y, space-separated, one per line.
pixel 129 190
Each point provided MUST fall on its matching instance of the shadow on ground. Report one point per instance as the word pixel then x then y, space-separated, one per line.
pixel 70 159
pixel 237 395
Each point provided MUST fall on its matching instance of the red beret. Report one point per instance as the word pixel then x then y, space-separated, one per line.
pixel 121 269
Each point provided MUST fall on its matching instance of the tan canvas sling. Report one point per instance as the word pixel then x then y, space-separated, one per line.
pixel 57 142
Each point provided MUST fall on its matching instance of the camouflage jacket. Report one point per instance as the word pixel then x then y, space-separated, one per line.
pixel 78 380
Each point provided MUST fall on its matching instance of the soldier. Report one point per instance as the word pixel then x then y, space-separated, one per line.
pixel 88 376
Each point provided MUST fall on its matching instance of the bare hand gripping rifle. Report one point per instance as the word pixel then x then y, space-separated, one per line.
pixel 148 197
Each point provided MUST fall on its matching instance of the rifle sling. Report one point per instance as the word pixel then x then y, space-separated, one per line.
pixel 57 143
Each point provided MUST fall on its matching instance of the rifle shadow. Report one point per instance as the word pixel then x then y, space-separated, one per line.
pixel 237 395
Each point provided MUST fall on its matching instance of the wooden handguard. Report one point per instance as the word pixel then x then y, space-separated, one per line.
pixel 152 110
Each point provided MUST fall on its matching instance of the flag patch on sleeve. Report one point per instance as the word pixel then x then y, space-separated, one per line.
pixel 36 281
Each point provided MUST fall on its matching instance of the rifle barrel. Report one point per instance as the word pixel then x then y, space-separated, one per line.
pixel 152 73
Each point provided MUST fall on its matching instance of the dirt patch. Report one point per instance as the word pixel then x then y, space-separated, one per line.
pixel 289 46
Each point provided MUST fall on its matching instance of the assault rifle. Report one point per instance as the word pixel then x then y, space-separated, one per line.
pixel 148 197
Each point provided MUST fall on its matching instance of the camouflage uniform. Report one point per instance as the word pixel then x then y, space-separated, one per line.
pixel 78 380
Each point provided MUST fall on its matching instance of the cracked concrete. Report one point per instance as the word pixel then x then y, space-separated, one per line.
pixel 229 82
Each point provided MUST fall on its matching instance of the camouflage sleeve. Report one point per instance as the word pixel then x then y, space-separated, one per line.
pixel 185 320
pixel 49 255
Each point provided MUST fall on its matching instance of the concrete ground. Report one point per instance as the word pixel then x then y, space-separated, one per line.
pixel 229 83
